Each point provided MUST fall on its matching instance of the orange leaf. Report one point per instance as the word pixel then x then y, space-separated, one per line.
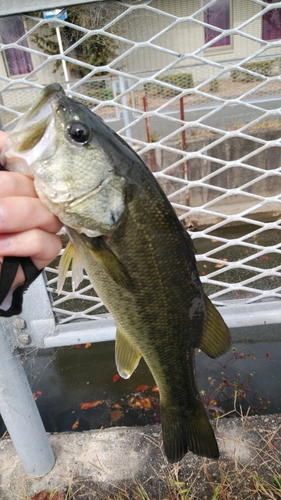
pixel 213 402
pixel 36 394
pixel 135 403
pixel 146 403
pixel 155 388
pixel 115 377
pixel 86 406
pixel 88 345
pixel 43 495
pixel 115 415
pixel 75 425
pixel 116 405
pixel 142 388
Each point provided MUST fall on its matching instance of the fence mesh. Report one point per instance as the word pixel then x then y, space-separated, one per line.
pixel 195 89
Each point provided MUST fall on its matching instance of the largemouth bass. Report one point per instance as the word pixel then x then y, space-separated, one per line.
pixel 137 254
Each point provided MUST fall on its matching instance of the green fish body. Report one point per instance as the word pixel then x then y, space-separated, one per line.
pixel 137 254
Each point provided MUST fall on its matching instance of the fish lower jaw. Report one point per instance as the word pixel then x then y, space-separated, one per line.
pixel 88 232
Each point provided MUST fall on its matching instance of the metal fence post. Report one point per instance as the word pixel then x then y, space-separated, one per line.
pixel 19 410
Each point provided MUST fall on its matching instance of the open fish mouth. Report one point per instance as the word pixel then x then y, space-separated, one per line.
pixel 30 140
pixel 43 107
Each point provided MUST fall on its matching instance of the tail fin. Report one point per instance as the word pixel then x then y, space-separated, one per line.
pixel 187 430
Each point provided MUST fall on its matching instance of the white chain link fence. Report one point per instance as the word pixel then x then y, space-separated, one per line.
pixel 194 87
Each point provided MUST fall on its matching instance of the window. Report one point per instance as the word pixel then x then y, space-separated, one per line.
pixel 18 61
pixel 217 15
pixel 271 23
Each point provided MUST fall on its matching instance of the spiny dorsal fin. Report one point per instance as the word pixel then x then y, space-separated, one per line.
pixel 69 255
pixel 109 262
pixel 216 338
pixel 127 355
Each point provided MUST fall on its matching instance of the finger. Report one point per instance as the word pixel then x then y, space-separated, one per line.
pixel 40 246
pixel 14 184
pixel 20 213
pixel 3 137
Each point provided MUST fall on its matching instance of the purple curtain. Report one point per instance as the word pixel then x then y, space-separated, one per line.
pixel 271 23
pixel 19 61
pixel 217 15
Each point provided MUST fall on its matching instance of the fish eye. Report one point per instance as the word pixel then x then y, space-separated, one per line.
pixel 79 132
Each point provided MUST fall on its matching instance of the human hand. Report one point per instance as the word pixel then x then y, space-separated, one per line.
pixel 27 228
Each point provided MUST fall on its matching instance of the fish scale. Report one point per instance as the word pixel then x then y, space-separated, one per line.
pixel 135 251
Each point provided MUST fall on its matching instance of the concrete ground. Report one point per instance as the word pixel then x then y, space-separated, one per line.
pixel 99 463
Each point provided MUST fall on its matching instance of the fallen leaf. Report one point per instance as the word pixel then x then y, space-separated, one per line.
pixel 155 388
pixel 213 402
pixel 36 394
pixel 86 406
pixel 141 388
pixel 115 377
pixel 116 405
pixel 75 425
pixel 135 403
pixel 43 495
pixel 115 415
pixel 88 345
pixel 268 354
pixel 77 346
pixel 146 403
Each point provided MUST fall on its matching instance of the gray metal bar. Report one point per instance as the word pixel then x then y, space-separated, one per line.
pixel 19 410
pixel 13 7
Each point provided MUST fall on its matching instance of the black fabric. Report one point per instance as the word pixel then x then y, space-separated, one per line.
pixel 8 272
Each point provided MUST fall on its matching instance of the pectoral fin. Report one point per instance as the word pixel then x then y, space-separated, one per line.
pixel 70 255
pixel 127 355
pixel 216 338
pixel 109 262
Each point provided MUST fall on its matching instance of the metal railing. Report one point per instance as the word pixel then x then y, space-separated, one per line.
pixel 204 115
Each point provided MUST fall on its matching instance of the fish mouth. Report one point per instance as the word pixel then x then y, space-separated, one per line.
pixel 44 106
pixel 30 139
pixel 64 198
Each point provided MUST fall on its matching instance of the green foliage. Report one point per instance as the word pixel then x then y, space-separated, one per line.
pixel 103 94
pixel 96 50
pixel 263 68
pixel 214 85
pixel 181 80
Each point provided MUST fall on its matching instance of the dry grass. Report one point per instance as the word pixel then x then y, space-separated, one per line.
pixel 255 475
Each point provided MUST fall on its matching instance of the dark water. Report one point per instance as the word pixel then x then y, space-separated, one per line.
pixel 64 379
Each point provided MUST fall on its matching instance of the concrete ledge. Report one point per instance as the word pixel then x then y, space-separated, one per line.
pixel 108 458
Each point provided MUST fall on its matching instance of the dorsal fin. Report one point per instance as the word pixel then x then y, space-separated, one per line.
pixel 215 339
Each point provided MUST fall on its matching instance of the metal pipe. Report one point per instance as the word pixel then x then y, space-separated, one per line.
pixel 151 155
pixel 183 139
pixel 125 111
pixel 19 410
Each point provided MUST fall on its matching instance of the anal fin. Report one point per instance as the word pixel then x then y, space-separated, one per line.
pixel 215 339
pixel 127 355
pixel 70 255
